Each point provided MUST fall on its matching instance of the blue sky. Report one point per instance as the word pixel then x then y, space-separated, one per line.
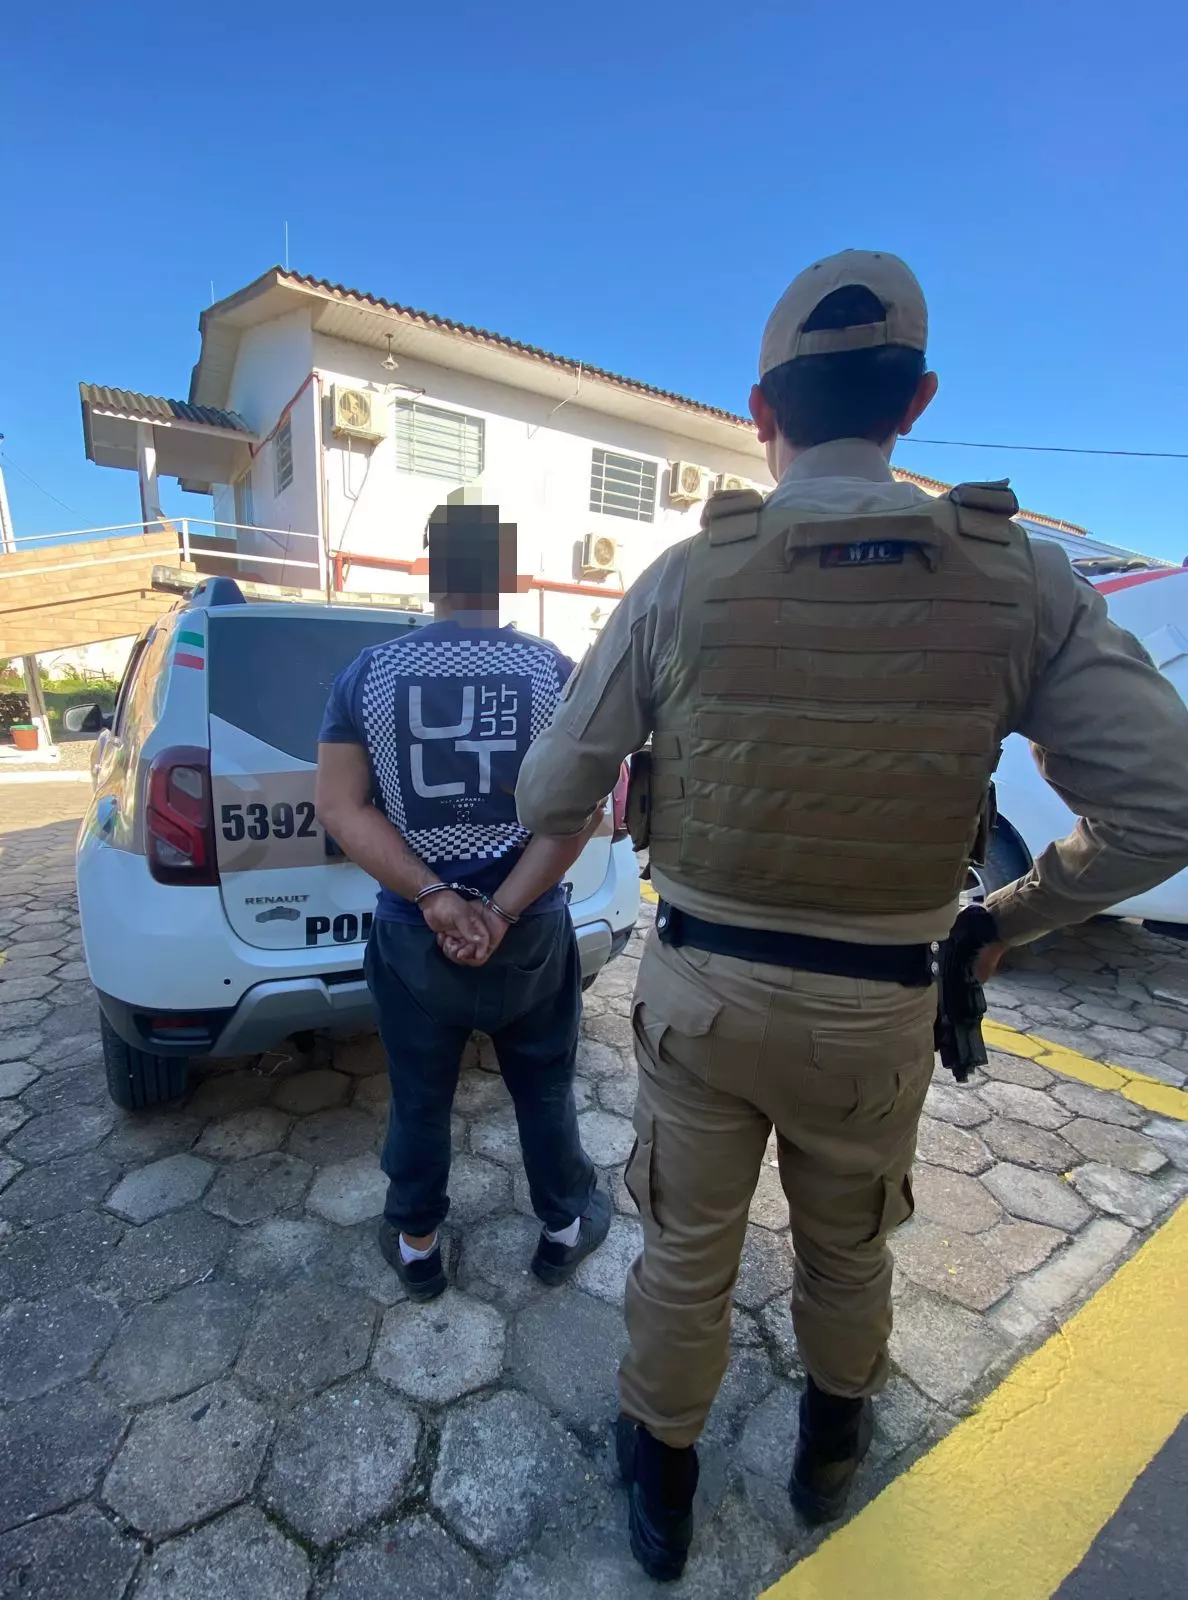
pixel 630 185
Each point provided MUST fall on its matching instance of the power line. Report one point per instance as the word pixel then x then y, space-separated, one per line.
pixel 30 479
pixel 1054 449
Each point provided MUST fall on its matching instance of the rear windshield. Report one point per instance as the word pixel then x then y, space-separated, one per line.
pixel 271 676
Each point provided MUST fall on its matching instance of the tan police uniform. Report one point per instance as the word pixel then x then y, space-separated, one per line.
pixel 826 679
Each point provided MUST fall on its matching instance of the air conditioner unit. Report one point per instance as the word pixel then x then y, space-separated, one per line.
pixel 728 480
pixel 686 483
pixel 357 413
pixel 600 555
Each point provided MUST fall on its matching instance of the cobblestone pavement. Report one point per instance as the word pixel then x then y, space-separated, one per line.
pixel 211 1383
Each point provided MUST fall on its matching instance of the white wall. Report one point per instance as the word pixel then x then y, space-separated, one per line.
pixel 537 462
pixel 272 363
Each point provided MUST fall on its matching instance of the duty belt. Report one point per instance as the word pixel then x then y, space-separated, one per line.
pixel 915 966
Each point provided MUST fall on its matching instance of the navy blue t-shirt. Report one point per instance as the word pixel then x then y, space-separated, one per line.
pixel 446 715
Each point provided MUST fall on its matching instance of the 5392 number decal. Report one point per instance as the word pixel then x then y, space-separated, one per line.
pixel 258 821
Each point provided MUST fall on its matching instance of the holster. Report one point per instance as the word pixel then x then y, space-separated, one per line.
pixel 961 1001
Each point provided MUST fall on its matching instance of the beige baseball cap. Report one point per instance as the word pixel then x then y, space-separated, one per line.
pixel 888 278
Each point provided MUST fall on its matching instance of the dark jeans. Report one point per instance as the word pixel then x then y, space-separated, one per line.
pixel 528 999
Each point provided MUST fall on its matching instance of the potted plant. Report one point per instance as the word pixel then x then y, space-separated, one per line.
pixel 25 735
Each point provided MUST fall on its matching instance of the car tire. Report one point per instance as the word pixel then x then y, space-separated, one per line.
pixel 137 1079
pixel 1169 930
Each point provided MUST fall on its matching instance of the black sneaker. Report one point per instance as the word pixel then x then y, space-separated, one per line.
pixel 554 1263
pixel 835 1435
pixel 424 1280
pixel 661 1483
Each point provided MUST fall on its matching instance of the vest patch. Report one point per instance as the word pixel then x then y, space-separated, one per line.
pixel 868 553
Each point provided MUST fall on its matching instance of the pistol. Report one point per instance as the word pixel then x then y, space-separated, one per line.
pixel 961 1002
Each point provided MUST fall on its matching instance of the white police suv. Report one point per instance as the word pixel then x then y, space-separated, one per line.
pixel 218 917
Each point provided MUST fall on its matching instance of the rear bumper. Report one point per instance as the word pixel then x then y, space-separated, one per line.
pixel 271 1011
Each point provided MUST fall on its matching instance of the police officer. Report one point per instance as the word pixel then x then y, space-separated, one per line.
pixel 472 928
pixel 827 678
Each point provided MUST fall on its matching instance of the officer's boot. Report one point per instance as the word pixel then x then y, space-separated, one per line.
pixel 835 1434
pixel 661 1482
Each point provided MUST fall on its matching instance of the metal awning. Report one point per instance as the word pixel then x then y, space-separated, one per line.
pixel 201 444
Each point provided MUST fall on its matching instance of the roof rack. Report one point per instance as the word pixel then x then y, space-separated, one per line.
pixel 216 592
pixel 221 591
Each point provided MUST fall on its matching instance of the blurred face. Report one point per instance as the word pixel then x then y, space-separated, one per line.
pixel 472 557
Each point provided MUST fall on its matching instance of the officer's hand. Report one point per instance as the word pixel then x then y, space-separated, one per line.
pixel 987 960
pixel 459 925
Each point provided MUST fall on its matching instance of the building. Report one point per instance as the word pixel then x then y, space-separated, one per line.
pixel 326 424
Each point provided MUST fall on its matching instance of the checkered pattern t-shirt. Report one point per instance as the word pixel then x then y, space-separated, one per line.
pixel 446 715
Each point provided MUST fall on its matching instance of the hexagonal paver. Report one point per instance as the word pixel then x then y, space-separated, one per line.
pixel 342 1460
pixel 1016 1069
pixel 58 1188
pixel 13 1115
pixel 373 1096
pixel 943 1145
pixel 67 1090
pixel 1031 1106
pixel 477 1189
pixel 245 1133
pixel 942 1348
pixel 240 1554
pixel 961 1107
pixel 8 1171
pixel 167 1253
pixel 1027 1146
pixel 282 1248
pixel 188 1459
pixel 479 1094
pixel 77 1554
pixel 607 1139
pixel 256 1188
pixel 565 1350
pixel 335 1136
pixel 952 1264
pixel 62 1442
pixel 438 1352
pixel 18 1047
pixel 177 1344
pixel 140 1137
pixel 305 1337
pixel 222 1094
pixel 496 1257
pixel 765 1269
pixel 416 1560
pixel 954 1200
pixel 15 1078
pixel 312 1091
pixel 62 1133
pixel 505 1467
pixel 360 1057
pixel 604 1273
pixel 1036 1196
pixel 595 1060
pixel 497 1138
pixel 162 1186
pixel 1115 1146
pixel 47 1343
pixel 1098 1104
pixel 769 1204
pixel 349 1191
pixel 67 1252
pixel 1136 1200
pixel 618 1094
pixel 1022 1246
pixel 776 1321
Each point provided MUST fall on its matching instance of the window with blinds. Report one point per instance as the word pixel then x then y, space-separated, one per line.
pixel 283 455
pixel 623 486
pixel 438 444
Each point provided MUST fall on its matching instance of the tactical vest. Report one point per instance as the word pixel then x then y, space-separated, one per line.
pixel 828 728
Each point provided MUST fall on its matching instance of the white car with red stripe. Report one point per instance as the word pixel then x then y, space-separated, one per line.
pixel 218 917
pixel 1148 598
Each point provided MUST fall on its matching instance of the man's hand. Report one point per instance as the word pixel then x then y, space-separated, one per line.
pixel 465 955
pixel 459 926
pixel 987 960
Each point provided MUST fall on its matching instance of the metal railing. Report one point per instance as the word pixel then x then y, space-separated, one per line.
pixel 189 533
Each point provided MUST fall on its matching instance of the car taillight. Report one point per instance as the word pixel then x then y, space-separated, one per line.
pixel 179 819
pixel 619 804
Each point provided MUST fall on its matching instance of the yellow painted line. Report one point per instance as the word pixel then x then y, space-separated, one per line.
pixel 1160 1098
pixel 1009 1502
pixel 648 893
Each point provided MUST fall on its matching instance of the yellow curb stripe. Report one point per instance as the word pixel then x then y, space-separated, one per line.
pixel 1009 1502
pixel 1162 1099
pixel 648 893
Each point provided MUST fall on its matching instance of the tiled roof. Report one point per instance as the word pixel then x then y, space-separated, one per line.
pixel 155 408
pixel 484 336
pixel 500 341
